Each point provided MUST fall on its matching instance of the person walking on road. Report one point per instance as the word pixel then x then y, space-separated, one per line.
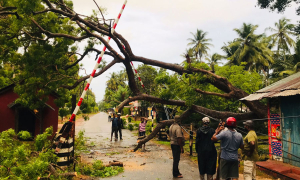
pixel 177 140
pixel 250 152
pixel 207 153
pixel 231 141
pixel 120 125
pixel 114 127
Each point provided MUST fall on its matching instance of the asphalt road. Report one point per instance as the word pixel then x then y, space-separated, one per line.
pixel 154 164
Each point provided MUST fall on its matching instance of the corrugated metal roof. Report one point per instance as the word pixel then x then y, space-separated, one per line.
pixel 286 87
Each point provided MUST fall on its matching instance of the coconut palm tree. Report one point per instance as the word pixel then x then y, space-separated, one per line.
pixel 251 49
pixel 200 44
pixel 286 65
pixel 229 51
pixel 282 36
pixel 214 60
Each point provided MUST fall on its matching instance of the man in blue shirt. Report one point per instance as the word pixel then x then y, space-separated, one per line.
pixel 231 141
pixel 114 127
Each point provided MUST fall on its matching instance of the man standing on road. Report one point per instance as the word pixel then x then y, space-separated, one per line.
pixel 114 127
pixel 207 153
pixel 250 152
pixel 177 141
pixel 120 125
pixel 231 141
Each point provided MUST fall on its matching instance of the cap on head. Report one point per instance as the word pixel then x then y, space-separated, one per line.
pixel 119 114
pixel 177 118
pixel 248 123
pixel 231 122
pixel 206 120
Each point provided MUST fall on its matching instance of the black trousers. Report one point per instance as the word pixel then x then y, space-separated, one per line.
pixel 120 132
pixel 114 130
pixel 207 161
pixel 176 158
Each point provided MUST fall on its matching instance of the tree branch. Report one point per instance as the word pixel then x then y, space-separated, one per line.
pixel 219 82
pixel 9 12
pixel 84 54
pixel 41 12
pixel 7 8
pixel 48 3
pixel 213 113
pixel 88 76
pixel 59 34
pixel 159 126
pixel 100 11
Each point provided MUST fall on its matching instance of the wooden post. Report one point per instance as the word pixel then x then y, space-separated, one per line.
pixel 191 140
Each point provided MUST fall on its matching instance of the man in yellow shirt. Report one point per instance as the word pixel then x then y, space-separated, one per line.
pixel 250 152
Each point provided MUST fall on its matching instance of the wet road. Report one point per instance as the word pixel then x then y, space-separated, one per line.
pixel 154 164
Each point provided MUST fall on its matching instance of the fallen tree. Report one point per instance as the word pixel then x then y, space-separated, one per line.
pixel 94 28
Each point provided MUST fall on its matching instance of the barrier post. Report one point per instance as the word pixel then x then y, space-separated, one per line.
pixel 73 108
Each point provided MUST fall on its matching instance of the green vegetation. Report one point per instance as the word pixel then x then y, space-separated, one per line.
pixel 97 169
pixel 42 140
pixel 136 125
pixel 25 159
pixel 80 141
pixel 126 111
pixel 149 128
pixel 129 119
pixel 130 127
pixel 85 117
pixel 124 123
pixel 24 135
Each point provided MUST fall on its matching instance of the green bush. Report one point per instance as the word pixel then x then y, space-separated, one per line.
pixel 80 141
pixel 124 123
pixel 86 117
pixel 148 128
pixel 129 119
pixel 126 111
pixel 130 127
pixel 24 135
pixel 136 125
pixel 19 159
pixel 41 140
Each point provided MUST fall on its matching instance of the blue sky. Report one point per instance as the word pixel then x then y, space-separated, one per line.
pixel 159 29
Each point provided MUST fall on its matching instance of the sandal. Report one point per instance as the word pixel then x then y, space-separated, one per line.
pixel 179 176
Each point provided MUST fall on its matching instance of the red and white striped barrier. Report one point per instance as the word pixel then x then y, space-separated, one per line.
pixel 137 75
pixel 96 66
pixel 135 71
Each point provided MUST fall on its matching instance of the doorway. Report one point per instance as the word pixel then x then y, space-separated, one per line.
pixel 26 121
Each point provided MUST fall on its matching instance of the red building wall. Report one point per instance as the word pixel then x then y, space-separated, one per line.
pixel 7 119
pixel 50 116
